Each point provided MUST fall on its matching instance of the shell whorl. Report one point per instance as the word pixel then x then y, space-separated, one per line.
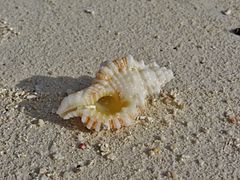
pixel 117 94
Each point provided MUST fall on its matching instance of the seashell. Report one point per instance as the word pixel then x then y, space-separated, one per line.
pixel 117 94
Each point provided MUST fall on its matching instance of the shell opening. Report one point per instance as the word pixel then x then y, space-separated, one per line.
pixel 111 104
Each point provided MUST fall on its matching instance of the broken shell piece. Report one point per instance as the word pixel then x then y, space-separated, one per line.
pixel 227 12
pixel 117 95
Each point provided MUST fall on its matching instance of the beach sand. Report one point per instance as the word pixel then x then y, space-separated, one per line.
pixel 53 47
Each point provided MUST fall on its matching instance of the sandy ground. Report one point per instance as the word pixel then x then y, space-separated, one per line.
pixel 49 48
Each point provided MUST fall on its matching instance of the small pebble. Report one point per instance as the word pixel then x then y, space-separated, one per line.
pixel 150 119
pixel 117 33
pixel 200 162
pixel 89 11
pixel 173 147
pixel 111 157
pixel 154 151
pixel 236 143
pixel 40 123
pixel 232 119
pixel 163 138
pixel 182 158
pixel 194 141
pixel 42 170
pixel 104 149
pixel 2 153
pixel 180 104
pixel 90 163
pixel 142 117
pixel 167 100
pixel 227 12
pixel 168 174
pixel 204 130
pixel 134 148
pixel 31 97
pixel 151 153
pixel 50 72
pixel 82 146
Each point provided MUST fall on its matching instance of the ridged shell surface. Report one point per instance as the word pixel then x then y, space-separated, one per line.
pixel 117 94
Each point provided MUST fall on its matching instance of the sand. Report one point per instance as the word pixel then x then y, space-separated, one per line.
pixel 53 47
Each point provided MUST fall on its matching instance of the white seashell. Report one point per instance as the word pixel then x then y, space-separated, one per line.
pixel 117 94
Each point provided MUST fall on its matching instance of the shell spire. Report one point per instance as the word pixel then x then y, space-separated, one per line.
pixel 117 94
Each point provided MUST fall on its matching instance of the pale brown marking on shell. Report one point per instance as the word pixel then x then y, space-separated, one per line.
pixel 94 124
pixel 87 120
pixel 101 75
pixel 112 124
pixel 121 63
pixel 121 122
pixel 94 93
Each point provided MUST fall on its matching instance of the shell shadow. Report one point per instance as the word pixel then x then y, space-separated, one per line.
pixel 50 91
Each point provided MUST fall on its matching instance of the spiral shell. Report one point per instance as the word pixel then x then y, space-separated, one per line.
pixel 117 94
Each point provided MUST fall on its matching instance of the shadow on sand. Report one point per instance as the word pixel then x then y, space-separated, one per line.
pixel 50 91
